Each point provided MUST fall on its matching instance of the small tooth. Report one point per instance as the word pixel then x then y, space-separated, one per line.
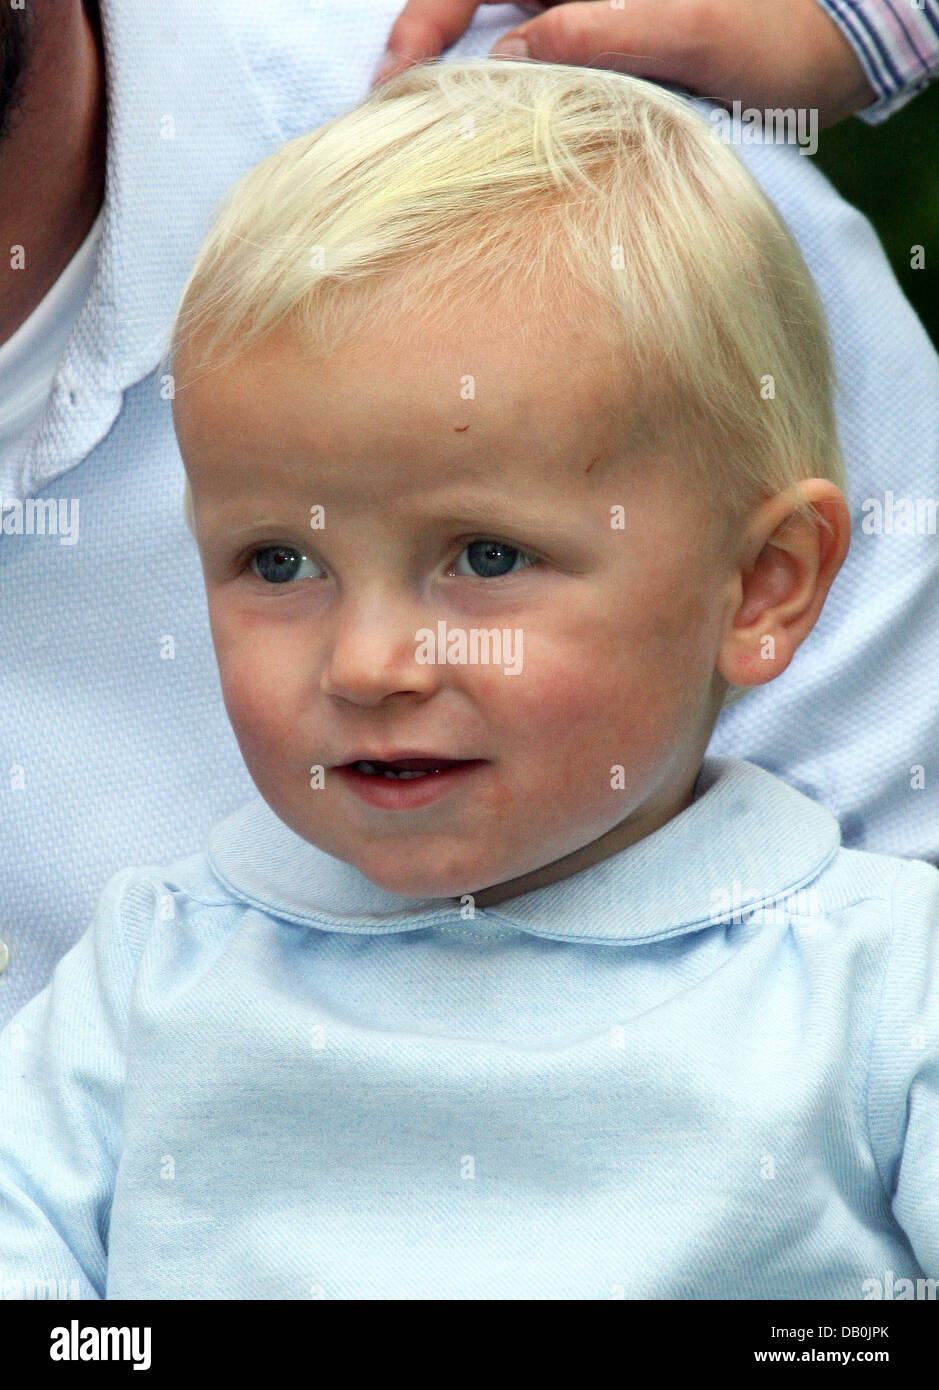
pixel 375 771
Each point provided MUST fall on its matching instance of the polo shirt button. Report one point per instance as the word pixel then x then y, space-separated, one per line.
pixel 4 956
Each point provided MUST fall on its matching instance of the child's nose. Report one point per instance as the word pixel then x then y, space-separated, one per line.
pixel 373 651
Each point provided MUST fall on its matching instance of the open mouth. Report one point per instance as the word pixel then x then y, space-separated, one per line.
pixel 407 784
pixel 406 769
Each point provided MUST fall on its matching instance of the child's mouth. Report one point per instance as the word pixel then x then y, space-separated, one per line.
pixel 406 768
pixel 405 783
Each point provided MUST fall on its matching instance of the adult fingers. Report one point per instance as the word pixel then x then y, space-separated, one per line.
pixel 423 29
pixel 646 38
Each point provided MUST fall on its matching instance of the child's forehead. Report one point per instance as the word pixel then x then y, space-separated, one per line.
pixel 279 431
pixel 443 334
pixel 461 413
pixel 431 399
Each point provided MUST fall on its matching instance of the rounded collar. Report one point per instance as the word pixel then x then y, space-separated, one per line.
pixel 746 835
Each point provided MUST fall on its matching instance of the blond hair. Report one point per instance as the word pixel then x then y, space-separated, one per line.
pixel 470 177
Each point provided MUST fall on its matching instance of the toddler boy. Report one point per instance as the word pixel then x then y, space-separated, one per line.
pixel 505 405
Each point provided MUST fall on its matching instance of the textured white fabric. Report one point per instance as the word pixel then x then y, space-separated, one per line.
pixel 29 357
pixel 114 745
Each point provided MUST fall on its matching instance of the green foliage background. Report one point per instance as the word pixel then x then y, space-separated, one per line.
pixel 891 172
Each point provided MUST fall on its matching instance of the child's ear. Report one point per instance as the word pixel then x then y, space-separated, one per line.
pixel 788 567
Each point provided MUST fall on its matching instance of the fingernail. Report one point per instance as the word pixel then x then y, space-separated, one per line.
pixel 515 47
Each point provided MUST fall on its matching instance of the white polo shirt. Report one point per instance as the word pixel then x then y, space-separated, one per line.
pixel 28 359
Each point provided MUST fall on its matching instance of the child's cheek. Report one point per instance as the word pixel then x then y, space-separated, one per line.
pixel 257 702
pixel 584 711
pixel 557 715
pixel 563 691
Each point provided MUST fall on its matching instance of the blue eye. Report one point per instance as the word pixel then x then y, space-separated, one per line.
pixel 278 564
pixel 493 559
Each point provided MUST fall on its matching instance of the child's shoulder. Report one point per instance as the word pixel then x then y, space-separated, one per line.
pixel 140 899
pixel 860 873
pixel 904 892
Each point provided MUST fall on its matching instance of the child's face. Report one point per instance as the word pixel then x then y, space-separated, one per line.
pixel 590 732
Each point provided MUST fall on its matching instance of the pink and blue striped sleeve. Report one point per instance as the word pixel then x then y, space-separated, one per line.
pixel 897 44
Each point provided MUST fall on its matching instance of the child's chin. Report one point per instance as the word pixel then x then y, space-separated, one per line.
pixel 410 881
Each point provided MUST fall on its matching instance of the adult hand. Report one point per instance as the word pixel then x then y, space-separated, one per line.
pixel 763 53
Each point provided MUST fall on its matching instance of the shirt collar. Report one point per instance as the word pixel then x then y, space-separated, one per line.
pixel 29 358
pixel 185 118
pixel 746 838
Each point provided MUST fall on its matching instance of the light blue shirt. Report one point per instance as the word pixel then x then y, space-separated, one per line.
pixel 707 1067
pixel 114 744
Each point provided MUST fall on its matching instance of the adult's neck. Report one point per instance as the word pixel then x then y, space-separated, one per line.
pixel 52 160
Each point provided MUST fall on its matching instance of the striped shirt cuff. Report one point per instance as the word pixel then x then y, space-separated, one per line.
pixel 897 44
